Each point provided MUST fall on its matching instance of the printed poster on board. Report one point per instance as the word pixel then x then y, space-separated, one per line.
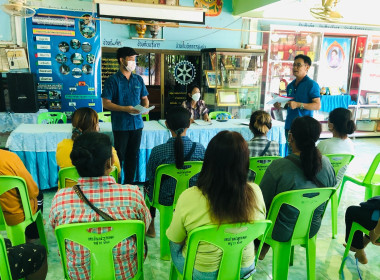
pixel 334 62
pixel 64 53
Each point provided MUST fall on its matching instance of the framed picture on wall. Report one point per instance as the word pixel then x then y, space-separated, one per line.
pixel 228 97
pixel 373 98
pixel 213 80
pixel 234 80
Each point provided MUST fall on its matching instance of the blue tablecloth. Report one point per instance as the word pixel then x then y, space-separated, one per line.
pixel 9 121
pixel 204 134
pixel 330 102
pixel 36 145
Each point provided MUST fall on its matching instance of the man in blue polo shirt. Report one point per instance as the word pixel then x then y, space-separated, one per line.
pixel 121 93
pixel 305 93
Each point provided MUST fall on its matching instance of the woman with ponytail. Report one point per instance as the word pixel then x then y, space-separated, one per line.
pixel 340 123
pixel 177 149
pixel 84 120
pixel 260 124
pixel 303 169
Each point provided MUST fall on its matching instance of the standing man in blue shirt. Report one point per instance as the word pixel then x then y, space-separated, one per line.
pixel 305 93
pixel 121 93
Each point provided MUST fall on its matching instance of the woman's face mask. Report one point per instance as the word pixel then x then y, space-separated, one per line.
pixel 196 96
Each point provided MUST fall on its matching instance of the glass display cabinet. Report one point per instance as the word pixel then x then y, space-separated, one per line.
pixel 283 46
pixel 232 80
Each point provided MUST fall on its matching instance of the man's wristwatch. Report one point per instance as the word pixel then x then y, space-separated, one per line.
pixel 301 106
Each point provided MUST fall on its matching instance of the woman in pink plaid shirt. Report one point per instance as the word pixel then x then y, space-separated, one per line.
pixel 92 156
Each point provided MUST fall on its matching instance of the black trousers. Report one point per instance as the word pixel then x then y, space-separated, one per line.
pixel 127 145
pixel 361 216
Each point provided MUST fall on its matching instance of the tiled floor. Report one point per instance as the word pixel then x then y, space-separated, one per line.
pixel 329 251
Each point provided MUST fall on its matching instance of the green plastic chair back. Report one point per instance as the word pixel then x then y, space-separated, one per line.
pixel 371 180
pixel 101 245
pixel 146 117
pixel 5 270
pixel 231 239
pixel 340 163
pixel 213 115
pixel 183 177
pixel 259 165
pixel 104 116
pixel 16 233
pixel 306 201
pixel 70 173
pixel 51 118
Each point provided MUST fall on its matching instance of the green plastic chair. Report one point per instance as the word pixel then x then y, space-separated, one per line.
pixel 71 173
pixel 16 233
pixel 104 116
pixel 146 116
pixel 371 180
pixel 183 177
pixel 340 163
pixel 212 115
pixel 51 118
pixel 101 245
pixel 259 165
pixel 306 201
pixel 231 239
pixel 5 270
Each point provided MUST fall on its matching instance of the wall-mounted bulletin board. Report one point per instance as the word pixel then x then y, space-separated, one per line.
pixel 64 53
pixel 109 65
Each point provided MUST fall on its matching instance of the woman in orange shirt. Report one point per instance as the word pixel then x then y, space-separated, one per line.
pixel 84 120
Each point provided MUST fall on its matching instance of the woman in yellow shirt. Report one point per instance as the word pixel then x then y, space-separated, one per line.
pixel 84 120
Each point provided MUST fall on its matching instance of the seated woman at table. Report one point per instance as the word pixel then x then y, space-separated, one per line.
pixel 303 169
pixel 222 195
pixel 368 216
pixel 340 123
pixel 177 149
pixel 12 165
pixel 84 120
pixel 92 156
pixel 195 105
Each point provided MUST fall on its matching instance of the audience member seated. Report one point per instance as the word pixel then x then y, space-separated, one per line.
pixel 195 105
pixel 340 123
pixel 27 261
pixel 259 146
pixel 175 150
pixel 92 156
pixel 222 195
pixel 83 120
pixel 368 216
pixel 11 165
pixel 303 169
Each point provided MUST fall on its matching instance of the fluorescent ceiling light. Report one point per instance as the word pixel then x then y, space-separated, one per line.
pixel 121 9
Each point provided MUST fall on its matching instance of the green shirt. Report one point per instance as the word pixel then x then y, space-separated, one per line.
pixel 192 211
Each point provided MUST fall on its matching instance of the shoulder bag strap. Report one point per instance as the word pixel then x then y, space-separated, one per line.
pixel 188 156
pixel 297 163
pixel 265 149
pixel 81 195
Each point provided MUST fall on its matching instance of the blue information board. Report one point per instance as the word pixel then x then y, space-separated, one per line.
pixel 64 53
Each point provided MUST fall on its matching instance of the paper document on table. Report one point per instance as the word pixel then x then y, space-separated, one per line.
pixel 280 99
pixel 202 122
pixel 245 122
pixel 142 109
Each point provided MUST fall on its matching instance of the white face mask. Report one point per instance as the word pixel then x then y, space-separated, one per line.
pixel 196 96
pixel 131 66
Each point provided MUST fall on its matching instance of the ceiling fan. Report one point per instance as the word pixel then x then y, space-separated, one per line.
pixel 18 8
pixel 327 11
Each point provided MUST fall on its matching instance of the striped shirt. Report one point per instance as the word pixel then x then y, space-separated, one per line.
pixel 122 202
pixel 164 154
pixel 256 146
